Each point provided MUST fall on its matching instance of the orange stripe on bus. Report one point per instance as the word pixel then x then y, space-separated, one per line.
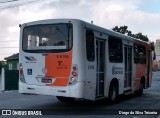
pixel 141 70
pixel 58 66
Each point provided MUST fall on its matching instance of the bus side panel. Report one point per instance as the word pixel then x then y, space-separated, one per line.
pixel 141 69
pixel 140 72
pixel 115 71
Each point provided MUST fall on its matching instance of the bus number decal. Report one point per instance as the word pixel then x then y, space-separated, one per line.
pixel 62 56
pixel 90 67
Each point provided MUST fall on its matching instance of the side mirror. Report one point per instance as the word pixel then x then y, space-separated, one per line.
pixel 154 55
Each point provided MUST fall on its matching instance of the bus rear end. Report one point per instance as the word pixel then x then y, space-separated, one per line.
pixel 46 59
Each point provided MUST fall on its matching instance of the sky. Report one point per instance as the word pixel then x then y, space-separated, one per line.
pixel 139 15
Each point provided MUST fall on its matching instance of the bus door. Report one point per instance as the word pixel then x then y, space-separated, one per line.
pixel 100 55
pixel 128 67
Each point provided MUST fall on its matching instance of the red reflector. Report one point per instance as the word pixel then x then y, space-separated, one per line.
pixel 21 72
pixel 74 73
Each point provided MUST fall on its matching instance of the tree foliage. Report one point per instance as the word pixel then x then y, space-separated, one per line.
pixel 2 64
pixel 124 30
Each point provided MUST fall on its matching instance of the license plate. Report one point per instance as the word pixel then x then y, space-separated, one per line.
pixel 46 80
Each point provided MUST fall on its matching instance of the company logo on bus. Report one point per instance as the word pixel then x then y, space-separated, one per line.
pixel 117 70
pixel 44 70
pixel 30 58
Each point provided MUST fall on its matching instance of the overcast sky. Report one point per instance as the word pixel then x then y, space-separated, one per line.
pixel 139 15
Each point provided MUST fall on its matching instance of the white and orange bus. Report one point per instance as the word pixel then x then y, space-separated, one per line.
pixel 70 58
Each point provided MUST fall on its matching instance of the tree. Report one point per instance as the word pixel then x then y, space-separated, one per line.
pixel 124 30
pixel 2 64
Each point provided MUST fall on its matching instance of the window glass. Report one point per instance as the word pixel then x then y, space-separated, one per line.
pixel 90 45
pixel 48 37
pixel 139 54
pixel 115 50
pixel 10 66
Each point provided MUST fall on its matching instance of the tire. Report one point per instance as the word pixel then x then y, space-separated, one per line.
pixel 140 91
pixel 65 99
pixel 113 93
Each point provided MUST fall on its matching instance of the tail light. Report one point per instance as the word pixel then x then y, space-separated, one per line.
pixel 74 75
pixel 21 74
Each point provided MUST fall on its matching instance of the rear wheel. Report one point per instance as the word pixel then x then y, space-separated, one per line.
pixel 140 91
pixel 113 93
pixel 65 99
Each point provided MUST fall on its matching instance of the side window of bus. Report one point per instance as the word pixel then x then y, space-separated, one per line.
pixel 139 54
pixel 115 50
pixel 90 45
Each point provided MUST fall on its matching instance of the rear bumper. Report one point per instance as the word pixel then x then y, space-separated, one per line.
pixel 75 91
